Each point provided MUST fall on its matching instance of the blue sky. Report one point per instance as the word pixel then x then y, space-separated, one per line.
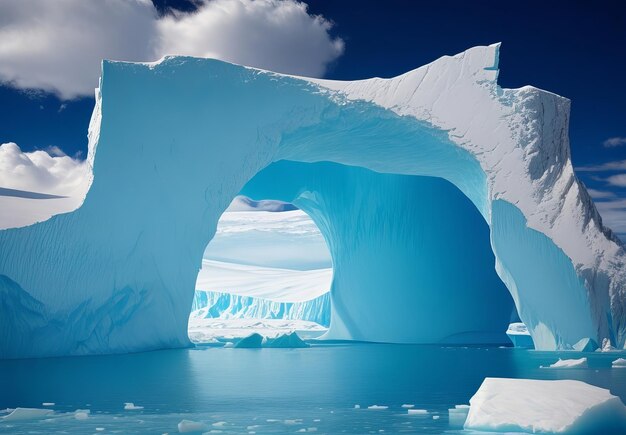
pixel 575 49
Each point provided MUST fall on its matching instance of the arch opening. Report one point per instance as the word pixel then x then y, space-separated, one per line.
pixel 266 271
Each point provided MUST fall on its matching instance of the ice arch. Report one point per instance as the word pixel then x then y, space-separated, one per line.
pixel 172 143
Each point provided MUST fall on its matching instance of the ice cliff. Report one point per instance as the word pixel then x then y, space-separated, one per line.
pixel 218 305
pixel 437 191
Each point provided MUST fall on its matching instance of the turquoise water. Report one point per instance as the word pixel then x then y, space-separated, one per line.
pixel 274 390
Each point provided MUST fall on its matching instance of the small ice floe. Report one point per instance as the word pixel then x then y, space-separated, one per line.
pixel 580 363
pixel 538 406
pixel 48 404
pixel 619 363
pixel 130 406
pixel 99 429
pixel 357 406
pixel 219 424
pixel 27 414
pixel 82 414
pixel 420 412
pixel 408 405
pixel 229 344
pixel 377 407
pixel 293 422
pixel 191 426
pixel 435 417
pixel 308 429
pixel 457 415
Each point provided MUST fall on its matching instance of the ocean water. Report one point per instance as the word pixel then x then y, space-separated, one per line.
pixel 274 390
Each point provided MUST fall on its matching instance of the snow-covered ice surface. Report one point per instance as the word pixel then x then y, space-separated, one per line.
pixel 471 174
pixel 561 406
pixel 271 283
pixel 261 237
pixel 208 330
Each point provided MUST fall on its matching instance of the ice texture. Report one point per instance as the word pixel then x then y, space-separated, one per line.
pixel 419 184
pixel 535 406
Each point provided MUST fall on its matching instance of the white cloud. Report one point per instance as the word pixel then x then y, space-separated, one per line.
pixel 41 172
pixel 619 165
pixel 617 180
pixel 270 34
pixel 57 46
pixel 600 194
pixel 614 142
pixel 613 214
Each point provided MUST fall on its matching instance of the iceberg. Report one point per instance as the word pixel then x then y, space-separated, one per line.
pixel 519 335
pixel 252 341
pixel 534 406
pixel 290 341
pixel 420 184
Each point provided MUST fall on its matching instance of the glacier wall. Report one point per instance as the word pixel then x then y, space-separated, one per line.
pixel 231 306
pixel 172 142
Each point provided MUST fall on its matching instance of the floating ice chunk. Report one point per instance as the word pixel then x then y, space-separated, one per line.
pixel 291 340
pixel 568 364
pixel 99 429
pixel 219 424
pixel 27 414
pixel 422 412
pixel 407 405
pixel 48 404
pixel 357 406
pixel 191 426
pixel 294 421
pixel 619 363
pixel 585 345
pixel 562 406
pixel 229 344
pixel 457 415
pixel 435 417
pixel 130 406
pixel 377 407
pixel 82 414
pixel 252 341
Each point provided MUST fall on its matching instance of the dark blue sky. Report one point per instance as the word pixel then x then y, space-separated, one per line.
pixel 575 49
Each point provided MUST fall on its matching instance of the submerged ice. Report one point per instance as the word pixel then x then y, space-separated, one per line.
pixel 420 184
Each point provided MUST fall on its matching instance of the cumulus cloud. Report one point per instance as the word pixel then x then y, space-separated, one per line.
pixel 269 34
pixel 57 46
pixel 42 172
pixel 614 142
